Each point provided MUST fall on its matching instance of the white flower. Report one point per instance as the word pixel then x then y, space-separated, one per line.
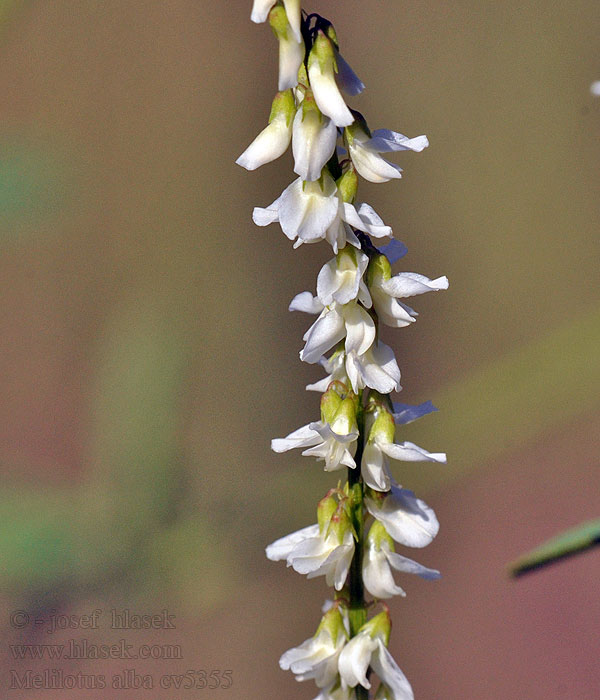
pixel 312 211
pixel 313 140
pixel 386 290
pixel 406 518
pixel 333 442
pixel 341 279
pixel 304 210
pixel 321 74
pixel 376 368
pixel 261 9
pixel 380 445
pixel 274 139
pixel 310 552
pixel 365 150
pixel 338 321
pixel 378 560
pixel 368 648
pixel 317 657
pixel 595 88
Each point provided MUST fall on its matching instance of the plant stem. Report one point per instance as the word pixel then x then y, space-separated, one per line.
pixel 357 609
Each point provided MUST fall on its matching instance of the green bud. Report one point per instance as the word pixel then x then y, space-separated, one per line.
pixel 344 420
pixel 332 622
pixel 325 510
pixel 383 427
pixel 378 626
pixel 348 185
pixel 378 535
pixel 330 402
pixel 340 523
pixel 379 270
pixel 283 106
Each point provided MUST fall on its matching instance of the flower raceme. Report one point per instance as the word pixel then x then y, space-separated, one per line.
pixel 359 524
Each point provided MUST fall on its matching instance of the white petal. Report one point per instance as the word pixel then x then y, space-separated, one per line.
pixel 350 83
pixel 371 165
pixel 360 329
pixel 409 452
pixel 291 55
pixel 380 369
pixel 410 284
pixel 313 143
pixel 271 143
pixel 342 567
pixel 384 141
pixel 306 210
pixel 327 330
pixel 408 519
pixel 389 673
pixel 327 95
pixel 328 282
pixel 320 385
pixel 261 9
pixel 281 548
pixel 366 219
pixel 303 437
pixel 390 311
pixel 374 468
pixel 307 303
pixel 377 575
pixel 408 566
pixel 355 659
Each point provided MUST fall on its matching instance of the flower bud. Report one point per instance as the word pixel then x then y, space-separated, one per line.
pixel 325 510
pixel 347 185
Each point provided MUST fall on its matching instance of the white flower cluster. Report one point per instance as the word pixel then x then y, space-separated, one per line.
pixel 356 293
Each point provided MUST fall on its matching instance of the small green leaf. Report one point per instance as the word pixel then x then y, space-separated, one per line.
pixel 579 539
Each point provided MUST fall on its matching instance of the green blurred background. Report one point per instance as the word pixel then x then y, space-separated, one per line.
pixel 147 356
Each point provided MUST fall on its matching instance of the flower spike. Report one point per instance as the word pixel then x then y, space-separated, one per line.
pixel 360 523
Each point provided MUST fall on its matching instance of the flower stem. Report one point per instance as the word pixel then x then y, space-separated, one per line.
pixel 357 609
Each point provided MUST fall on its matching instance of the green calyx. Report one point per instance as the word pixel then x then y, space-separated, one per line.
pixel 383 427
pixel 283 107
pixel 325 510
pixel 378 535
pixel 346 259
pixel 323 53
pixel 279 23
pixel 332 623
pixel 357 130
pixel 378 627
pixel 347 185
pixel 379 270
pixel 309 108
pixel 330 403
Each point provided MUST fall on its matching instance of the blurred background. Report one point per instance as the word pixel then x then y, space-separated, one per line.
pixel 147 356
